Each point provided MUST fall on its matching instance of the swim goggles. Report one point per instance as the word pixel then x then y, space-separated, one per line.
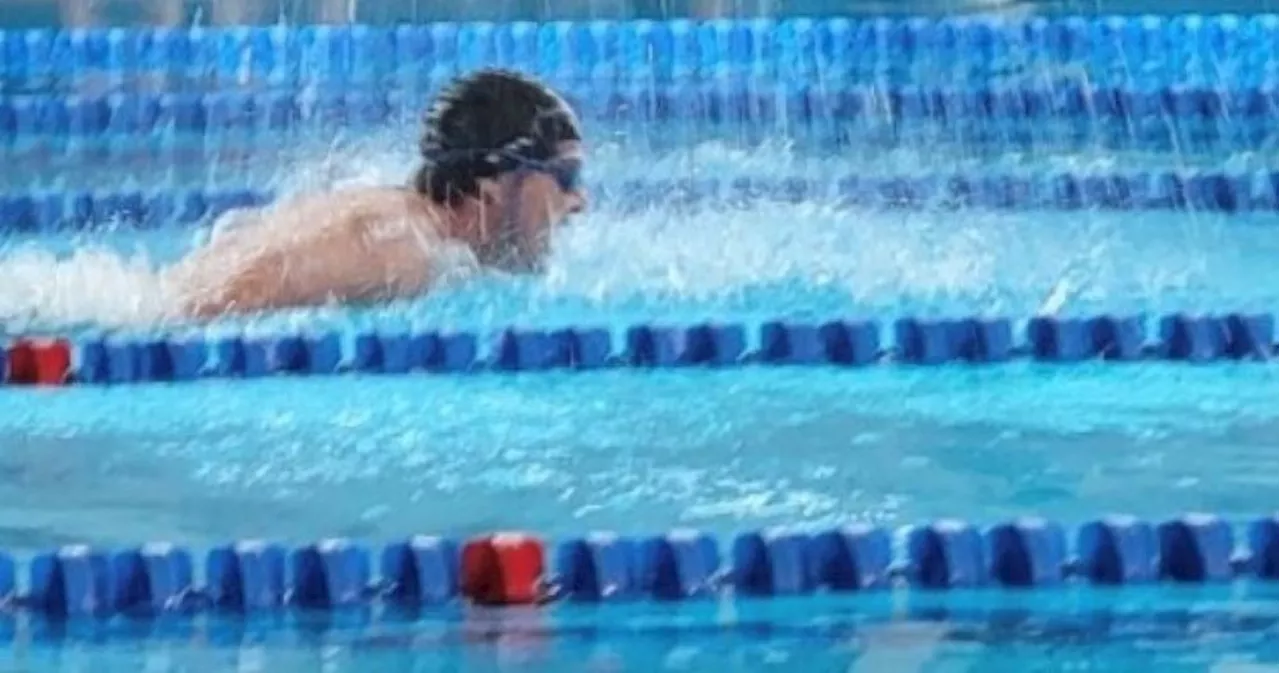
pixel 566 172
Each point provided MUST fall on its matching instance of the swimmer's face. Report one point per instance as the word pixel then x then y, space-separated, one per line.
pixel 543 195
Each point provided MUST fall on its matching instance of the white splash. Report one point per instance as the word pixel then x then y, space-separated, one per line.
pixel 930 261
pixel 93 285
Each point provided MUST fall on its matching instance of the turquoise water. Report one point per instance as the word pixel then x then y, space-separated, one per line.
pixel 772 260
pixel 564 452
pixel 379 458
pixel 1178 631
pixel 1175 630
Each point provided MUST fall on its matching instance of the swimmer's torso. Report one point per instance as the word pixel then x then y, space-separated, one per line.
pixel 350 245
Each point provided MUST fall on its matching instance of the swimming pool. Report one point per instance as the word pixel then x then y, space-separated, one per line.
pixel 860 171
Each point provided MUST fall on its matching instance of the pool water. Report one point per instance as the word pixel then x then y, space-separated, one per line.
pixel 773 259
pixel 722 450
pixel 638 452
pixel 381 457
pixel 725 451
pixel 378 458
pixel 1176 630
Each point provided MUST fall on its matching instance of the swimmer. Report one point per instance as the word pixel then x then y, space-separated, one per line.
pixel 502 162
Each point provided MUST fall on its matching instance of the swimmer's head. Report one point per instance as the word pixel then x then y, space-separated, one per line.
pixel 509 149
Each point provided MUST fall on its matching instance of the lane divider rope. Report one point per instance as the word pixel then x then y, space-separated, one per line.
pixel 115 360
pixel 514 568
pixel 1153 49
pixel 1154 116
pixel 1199 191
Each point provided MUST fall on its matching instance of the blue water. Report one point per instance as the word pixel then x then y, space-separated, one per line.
pixel 379 458
pixel 1176 630
pixel 810 260
pixel 563 453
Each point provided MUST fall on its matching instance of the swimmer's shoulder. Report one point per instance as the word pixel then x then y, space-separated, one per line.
pixel 351 207
pixel 358 198
pixel 384 202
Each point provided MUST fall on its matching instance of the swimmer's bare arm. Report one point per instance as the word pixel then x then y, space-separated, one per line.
pixel 277 278
pixel 359 246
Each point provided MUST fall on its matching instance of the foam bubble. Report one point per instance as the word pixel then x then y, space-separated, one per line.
pixel 93 286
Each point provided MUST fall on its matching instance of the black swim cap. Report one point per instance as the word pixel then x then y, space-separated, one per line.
pixel 482 124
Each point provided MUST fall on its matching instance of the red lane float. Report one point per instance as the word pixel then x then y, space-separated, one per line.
pixel 34 362
pixel 502 569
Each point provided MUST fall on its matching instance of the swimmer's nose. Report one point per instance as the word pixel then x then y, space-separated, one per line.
pixel 577 201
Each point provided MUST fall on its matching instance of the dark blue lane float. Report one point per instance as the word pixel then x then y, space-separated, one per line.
pixel 514 568
pixel 1198 191
pixel 76 123
pixel 1153 52
pixel 1145 83
pixel 835 343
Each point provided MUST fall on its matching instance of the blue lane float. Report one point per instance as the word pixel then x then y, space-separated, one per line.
pixel 1153 49
pixel 1118 550
pixel 329 575
pixel 422 570
pixel 680 565
pixel 837 343
pixel 1027 552
pixel 1186 84
pixel 851 558
pixel 1198 191
pixel 61 211
pixel 1075 339
pixel 597 568
pixel 946 554
pixel 254 577
pixel 151 579
pixel 75 581
pixel 246 576
pixel 772 563
pixel 1147 118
